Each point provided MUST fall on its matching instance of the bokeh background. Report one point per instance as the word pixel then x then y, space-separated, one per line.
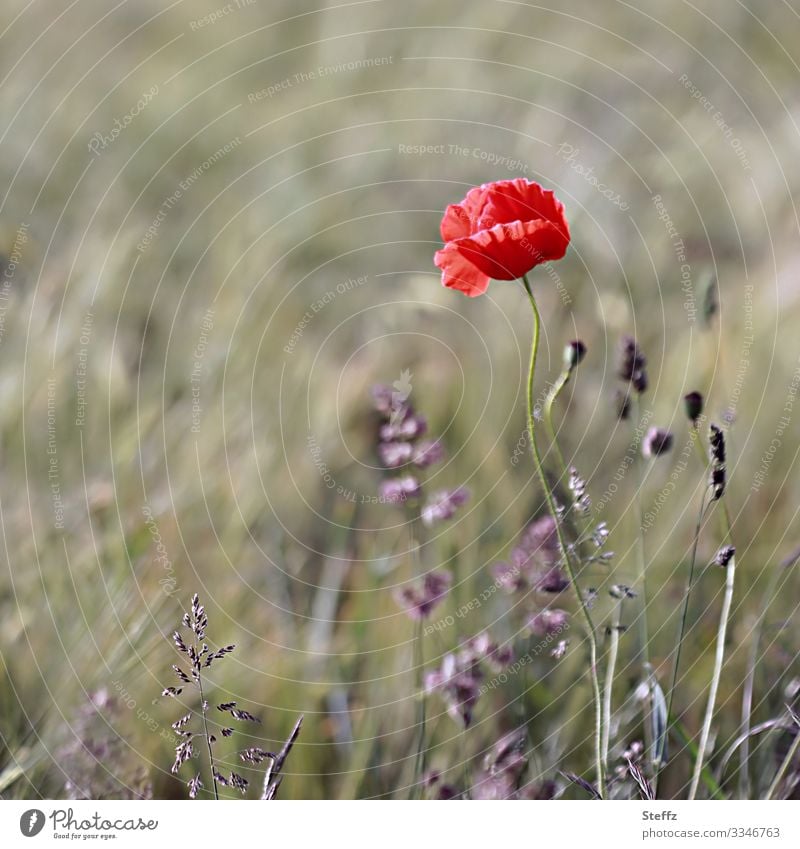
pixel 217 228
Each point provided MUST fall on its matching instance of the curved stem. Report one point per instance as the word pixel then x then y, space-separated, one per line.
pixel 712 693
pixel 552 397
pixel 752 663
pixel 590 629
pixel 790 755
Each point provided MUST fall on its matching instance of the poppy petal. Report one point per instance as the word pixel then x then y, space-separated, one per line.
pixel 458 272
pixel 520 200
pixel 507 251
pixel 455 223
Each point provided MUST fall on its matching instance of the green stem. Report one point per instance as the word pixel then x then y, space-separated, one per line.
pixel 207 735
pixel 613 651
pixel 790 755
pixel 552 397
pixel 419 666
pixel 644 633
pixel 682 629
pixel 712 693
pixel 749 684
pixel 590 629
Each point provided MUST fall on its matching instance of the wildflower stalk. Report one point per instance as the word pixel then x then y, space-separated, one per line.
pixel 790 756
pixel 207 734
pixel 712 693
pixel 590 629
pixel 552 397
pixel 747 694
pixel 613 651
pixel 419 664
pixel 682 629
pixel 651 743
pixel 644 634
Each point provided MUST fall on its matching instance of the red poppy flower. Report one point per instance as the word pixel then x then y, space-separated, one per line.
pixel 500 231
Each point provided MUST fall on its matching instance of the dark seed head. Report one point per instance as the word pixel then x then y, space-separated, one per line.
pixel 725 555
pixel 694 406
pixel 574 353
pixel 657 441
pixel 622 402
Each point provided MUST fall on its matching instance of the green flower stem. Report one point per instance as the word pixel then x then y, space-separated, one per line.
pixel 613 651
pixel 590 629
pixel 712 692
pixel 644 633
pixel 552 397
pixel 752 662
pixel 790 756
pixel 419 663
pixel 682 630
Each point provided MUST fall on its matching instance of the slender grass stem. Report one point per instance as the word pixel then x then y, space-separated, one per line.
pixel 641 569
pixel 682 629
pixel 587 617
pixel 419 662
pixel 752 663
pixel 419 665
pixel 712 692
pixel 790 755
pixel 207 735
pixel 641 562
pixel 613 651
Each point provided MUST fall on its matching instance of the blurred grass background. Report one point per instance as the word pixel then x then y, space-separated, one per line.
pixel 273 163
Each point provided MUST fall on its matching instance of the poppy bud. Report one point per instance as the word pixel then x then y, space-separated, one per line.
pixel 694 406
pixel 574 352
